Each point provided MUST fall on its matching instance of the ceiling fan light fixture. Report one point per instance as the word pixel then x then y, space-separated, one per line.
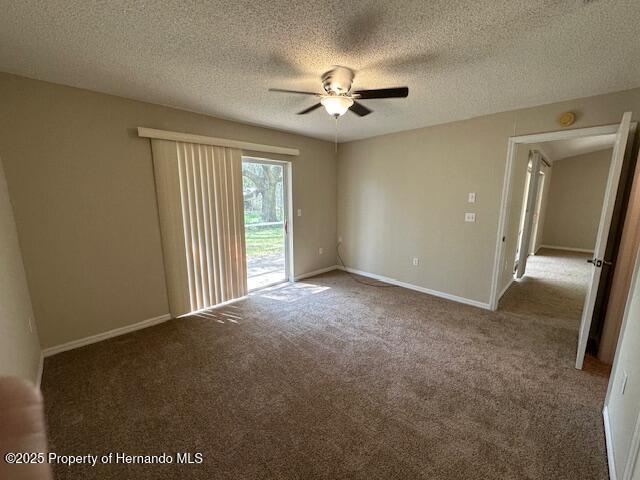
pixel 338 98
pixel 336 105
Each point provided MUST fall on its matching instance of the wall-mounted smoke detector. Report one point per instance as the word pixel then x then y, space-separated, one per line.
pixel 567 119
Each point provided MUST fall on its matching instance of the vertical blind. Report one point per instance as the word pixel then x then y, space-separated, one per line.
pixel 200 202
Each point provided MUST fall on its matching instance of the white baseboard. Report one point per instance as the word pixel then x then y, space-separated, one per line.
pixel 504 290
pixel 315 272
pixel 568 249
pixel 47 352
pixel 609 444
pixel 417 288
pixel 40 371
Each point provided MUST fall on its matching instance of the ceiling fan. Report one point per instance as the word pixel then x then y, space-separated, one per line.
pixel 338 97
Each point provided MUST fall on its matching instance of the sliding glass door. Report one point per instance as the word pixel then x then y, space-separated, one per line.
pixel 266 221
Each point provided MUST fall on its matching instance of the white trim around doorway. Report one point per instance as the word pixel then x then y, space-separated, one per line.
pixel 513 142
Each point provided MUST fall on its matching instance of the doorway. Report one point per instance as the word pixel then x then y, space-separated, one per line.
pixel 502 276
pixel 265 189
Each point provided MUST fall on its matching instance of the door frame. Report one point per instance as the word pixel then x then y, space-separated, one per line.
pixel 507 193
pixel 287 193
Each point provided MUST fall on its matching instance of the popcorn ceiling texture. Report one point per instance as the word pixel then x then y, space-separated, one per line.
pixel 460 59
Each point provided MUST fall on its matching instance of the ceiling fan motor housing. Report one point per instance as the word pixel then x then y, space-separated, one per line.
pixel 337 80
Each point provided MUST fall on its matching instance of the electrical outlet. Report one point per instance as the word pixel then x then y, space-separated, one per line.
pixel 625 377
pixel 472 197
pixel 415 262
pixel 469 217
pixel 299 212
pixel 320 251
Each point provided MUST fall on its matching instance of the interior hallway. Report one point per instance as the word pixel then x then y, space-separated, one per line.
pixel 553 287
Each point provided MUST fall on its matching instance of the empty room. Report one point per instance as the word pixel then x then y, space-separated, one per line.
pixel 318 240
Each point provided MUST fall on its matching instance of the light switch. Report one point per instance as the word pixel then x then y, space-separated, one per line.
pixel 472 197
pixel 415 262
pixel 320 251
pixel 299 212
pixel 469 217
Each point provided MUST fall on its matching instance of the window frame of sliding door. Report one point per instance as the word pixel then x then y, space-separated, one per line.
pixel 287 189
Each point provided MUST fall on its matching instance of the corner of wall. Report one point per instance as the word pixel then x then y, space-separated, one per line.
pixel 18 333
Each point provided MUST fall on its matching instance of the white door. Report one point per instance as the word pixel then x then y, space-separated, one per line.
pixel 532 195
pixel 603 232
pixel 536 216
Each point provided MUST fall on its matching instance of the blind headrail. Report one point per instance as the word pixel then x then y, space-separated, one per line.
pixel 219 142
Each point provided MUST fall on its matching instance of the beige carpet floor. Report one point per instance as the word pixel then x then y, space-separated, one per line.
pixel 332 379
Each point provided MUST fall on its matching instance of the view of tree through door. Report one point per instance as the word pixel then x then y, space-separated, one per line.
pixel 265 219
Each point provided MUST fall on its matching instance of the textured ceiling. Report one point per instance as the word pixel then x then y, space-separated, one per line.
pixel 560 149
pixel 459 58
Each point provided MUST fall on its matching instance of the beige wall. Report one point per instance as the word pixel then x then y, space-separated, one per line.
pixel 624 409
pixel 83 191
pixel 575 201
pixel 404 195
pixel 19 345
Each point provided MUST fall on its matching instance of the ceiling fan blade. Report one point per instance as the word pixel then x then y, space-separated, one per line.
pixel 398 92
pixel 293 91
pixel 359 109
pixel 310 109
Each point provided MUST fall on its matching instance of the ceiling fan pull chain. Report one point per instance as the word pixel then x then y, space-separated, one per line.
pixel 336 135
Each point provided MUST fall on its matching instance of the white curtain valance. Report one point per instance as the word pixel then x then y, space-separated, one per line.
pixel 218 142
pixel 199 189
